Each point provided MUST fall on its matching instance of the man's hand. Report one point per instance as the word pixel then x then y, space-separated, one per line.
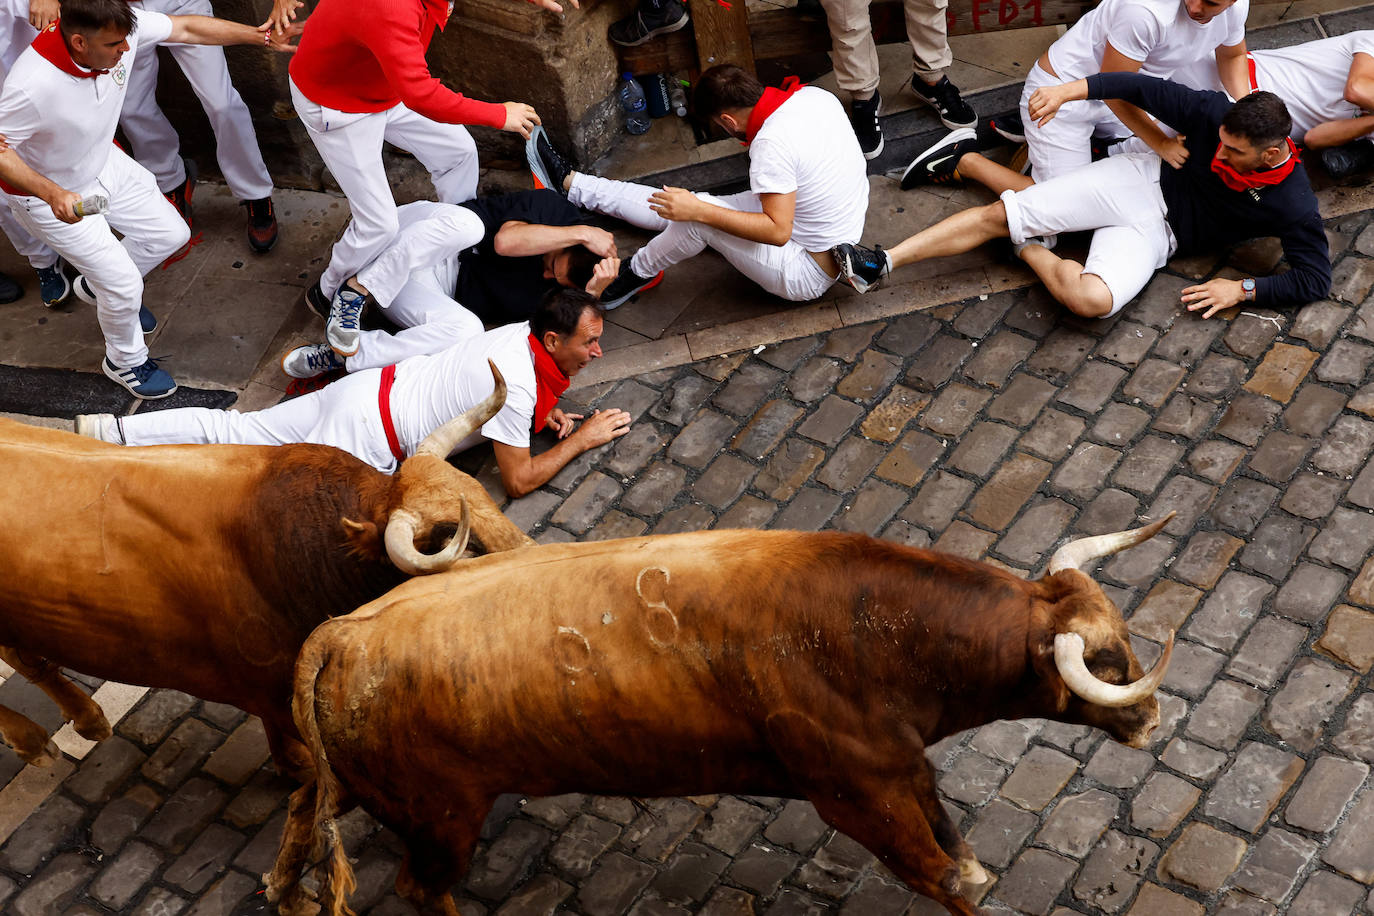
pixel 562 422
pixel 1214 295
pixel 63 204
pixel 603 426
pixel 676 204
pixel 598 241
pixel 552 5
pixel 280 39
pixel 283 14
pixel 1172 151
pixel 43 12
pixel 520 118
pixel 606 270
pixel 1046 101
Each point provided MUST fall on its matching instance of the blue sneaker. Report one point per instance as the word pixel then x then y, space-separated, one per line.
pixel 344 324
pixel 53 285
pixel 146 319
pixel 147 381
pixel 311 361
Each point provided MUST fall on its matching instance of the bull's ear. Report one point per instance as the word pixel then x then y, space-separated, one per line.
pixel 362 538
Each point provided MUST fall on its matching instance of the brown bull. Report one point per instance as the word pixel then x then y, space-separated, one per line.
pixel 818 666
pixel 204 567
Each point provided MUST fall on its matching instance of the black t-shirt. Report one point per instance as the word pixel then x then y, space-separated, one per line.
pixel 499 289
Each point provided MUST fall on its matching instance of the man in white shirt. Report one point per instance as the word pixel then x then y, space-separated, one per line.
pixel 58 111
pixel 1328 86
pixel 808 191
pixel 382 415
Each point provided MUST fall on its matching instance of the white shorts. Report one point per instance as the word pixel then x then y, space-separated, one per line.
pixel 1064 144
pixel 1118 198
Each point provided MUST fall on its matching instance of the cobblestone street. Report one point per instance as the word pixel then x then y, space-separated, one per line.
pixel 994 428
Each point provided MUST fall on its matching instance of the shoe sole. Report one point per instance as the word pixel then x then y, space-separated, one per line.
pixel 536 162
pixel 654 33
pixel 1007 135
pixel 658 278
pixel 856 282
pixel 966 133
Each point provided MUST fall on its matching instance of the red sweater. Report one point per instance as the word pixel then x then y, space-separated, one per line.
pixel 369 55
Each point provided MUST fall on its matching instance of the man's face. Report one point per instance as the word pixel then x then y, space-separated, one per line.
pixel 572 353
pixel 556 267
pixel 99 50
pixel 1240 154
pixel 1202 11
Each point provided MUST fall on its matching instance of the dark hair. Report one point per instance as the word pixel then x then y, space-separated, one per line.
pixel 86 17
pixel 561 310
pixel 1260 117
pixel 581 262
pixel 722 88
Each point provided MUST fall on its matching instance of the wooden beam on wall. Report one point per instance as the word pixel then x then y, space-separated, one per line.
pixel 722 35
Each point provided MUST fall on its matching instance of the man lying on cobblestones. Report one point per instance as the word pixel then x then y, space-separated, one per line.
pixel 382 415
pixel 1242 179
pixel 497 256
pixel 808 191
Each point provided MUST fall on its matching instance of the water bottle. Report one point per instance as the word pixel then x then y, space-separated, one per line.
pixel 92 204
pixel 677 96
pixel 633 102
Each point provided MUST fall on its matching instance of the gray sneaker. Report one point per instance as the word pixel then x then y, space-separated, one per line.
pixel 102 426
pixel 345 320
pixel 311 360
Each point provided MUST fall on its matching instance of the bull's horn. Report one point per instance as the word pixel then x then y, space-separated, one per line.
pixel 1075 554
pixel 400 544
pixel 447 437
pixel 1068 658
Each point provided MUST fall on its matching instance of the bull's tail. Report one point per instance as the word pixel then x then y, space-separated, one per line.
pixel 324 838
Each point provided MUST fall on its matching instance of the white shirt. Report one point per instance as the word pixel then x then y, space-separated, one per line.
pixel 61 125
pixel 15 32
pixel 807 145
pixel 1310 78
pixel 1156 32
pixel 431 390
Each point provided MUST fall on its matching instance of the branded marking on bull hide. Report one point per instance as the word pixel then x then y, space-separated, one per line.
pixel 573 651
pixel 660 622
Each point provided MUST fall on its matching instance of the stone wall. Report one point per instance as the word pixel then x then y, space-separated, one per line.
pixel 498 50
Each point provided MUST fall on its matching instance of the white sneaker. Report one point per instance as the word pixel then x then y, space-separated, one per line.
pixel 311 360
pixel 102 426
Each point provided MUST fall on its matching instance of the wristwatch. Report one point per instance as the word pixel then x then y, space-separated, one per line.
pixel 1247 287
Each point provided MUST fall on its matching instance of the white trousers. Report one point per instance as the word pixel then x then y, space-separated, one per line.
pixel 413 279
pixel 1120 199
pixel 786 270
pixel 15 35
pixel 154 140
pixel 350 143
pixel 343 414
pixel 855 56
pixel 152 230
pixel 1064 144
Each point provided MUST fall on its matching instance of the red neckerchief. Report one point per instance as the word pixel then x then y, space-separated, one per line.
pixel 1258 179
pixel 768 103
pixel 549 383
pixel 49 43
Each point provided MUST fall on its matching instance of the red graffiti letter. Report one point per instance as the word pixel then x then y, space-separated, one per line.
pixel 978 7
pixel 1034 7
pixel 1006 11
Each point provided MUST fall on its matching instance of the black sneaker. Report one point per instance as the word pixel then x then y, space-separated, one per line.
pixel 547 166
pixel 10 290
pixel 1344 161
pixel 939 164
pixel 944 97
pixel 626 285
pixel 863 114
pixel 649 20
pixel 861 267
pixel 262 224
pixel 319 303
pixel 1008 126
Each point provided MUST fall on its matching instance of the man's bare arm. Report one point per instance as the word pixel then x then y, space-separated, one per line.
pixel 772 226
pixel 1170 149
pixel 522 473
pixel 17 173
pixel 207 30
pixel 1233 69
pixel 517 239
pixel 1337 133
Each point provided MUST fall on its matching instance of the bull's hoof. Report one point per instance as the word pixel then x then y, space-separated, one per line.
pixel 296 901
pixel 94 727
pixel 972 873
pixel 44 758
